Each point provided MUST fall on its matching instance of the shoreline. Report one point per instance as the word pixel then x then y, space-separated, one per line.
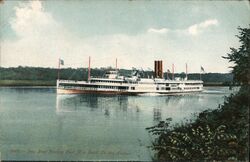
pixel 27 83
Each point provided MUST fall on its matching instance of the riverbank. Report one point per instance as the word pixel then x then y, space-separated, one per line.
pixel 4 83
pixel 53 83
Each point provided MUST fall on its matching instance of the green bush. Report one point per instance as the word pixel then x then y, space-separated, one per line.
pixel 220 134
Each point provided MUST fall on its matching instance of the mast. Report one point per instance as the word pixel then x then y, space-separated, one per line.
pixel 58 70
pixel 172 71
pixel 116 64
pixel 89 69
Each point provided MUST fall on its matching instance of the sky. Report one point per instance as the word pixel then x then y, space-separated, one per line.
pixel 37 33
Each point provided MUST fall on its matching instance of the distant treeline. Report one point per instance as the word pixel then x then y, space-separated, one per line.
pixel 50 74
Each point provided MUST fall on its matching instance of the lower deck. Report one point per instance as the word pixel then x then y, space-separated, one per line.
pixel 78 91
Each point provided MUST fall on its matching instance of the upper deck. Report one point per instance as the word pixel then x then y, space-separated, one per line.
pixel 113 78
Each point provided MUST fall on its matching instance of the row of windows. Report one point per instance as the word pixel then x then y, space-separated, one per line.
pixel 92 86
pixel 191 88
pixel 163 88
pixel 167 84
pixel 77 85
pixel 176 88
pixel 192 83
pixel 106 81
pixel 113 87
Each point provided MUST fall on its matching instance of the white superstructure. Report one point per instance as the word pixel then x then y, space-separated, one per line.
pixel 112 83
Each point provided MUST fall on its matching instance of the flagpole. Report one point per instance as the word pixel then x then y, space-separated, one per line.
pixel 172 71
pixel 200 73
pixel 186 72
pixel 116 64
pixel 58 70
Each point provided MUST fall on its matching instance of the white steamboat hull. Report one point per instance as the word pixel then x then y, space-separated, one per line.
pixel 78 91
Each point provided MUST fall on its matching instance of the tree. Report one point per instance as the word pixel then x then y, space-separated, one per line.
pixel 241 57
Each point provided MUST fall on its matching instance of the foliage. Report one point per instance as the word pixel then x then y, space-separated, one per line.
pixel 241 57
pixel 195 143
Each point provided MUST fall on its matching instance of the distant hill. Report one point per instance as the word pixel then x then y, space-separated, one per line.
pixel 50 74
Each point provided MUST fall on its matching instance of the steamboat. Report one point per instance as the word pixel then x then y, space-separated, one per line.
pixel 113 83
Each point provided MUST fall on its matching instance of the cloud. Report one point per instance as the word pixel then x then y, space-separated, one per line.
pixel 41 40
pixel 31 20
pixel 158 31
pixel 199 28
pixel 192 30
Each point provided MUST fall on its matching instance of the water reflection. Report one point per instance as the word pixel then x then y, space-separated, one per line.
pixel 157 114
pixel 106 112
pixel 132 107
pixel 68 103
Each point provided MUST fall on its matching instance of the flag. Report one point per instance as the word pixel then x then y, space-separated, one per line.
pixel 202 69
pixel 61 62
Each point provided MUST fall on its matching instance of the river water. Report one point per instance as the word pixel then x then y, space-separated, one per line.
pixel 35 123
